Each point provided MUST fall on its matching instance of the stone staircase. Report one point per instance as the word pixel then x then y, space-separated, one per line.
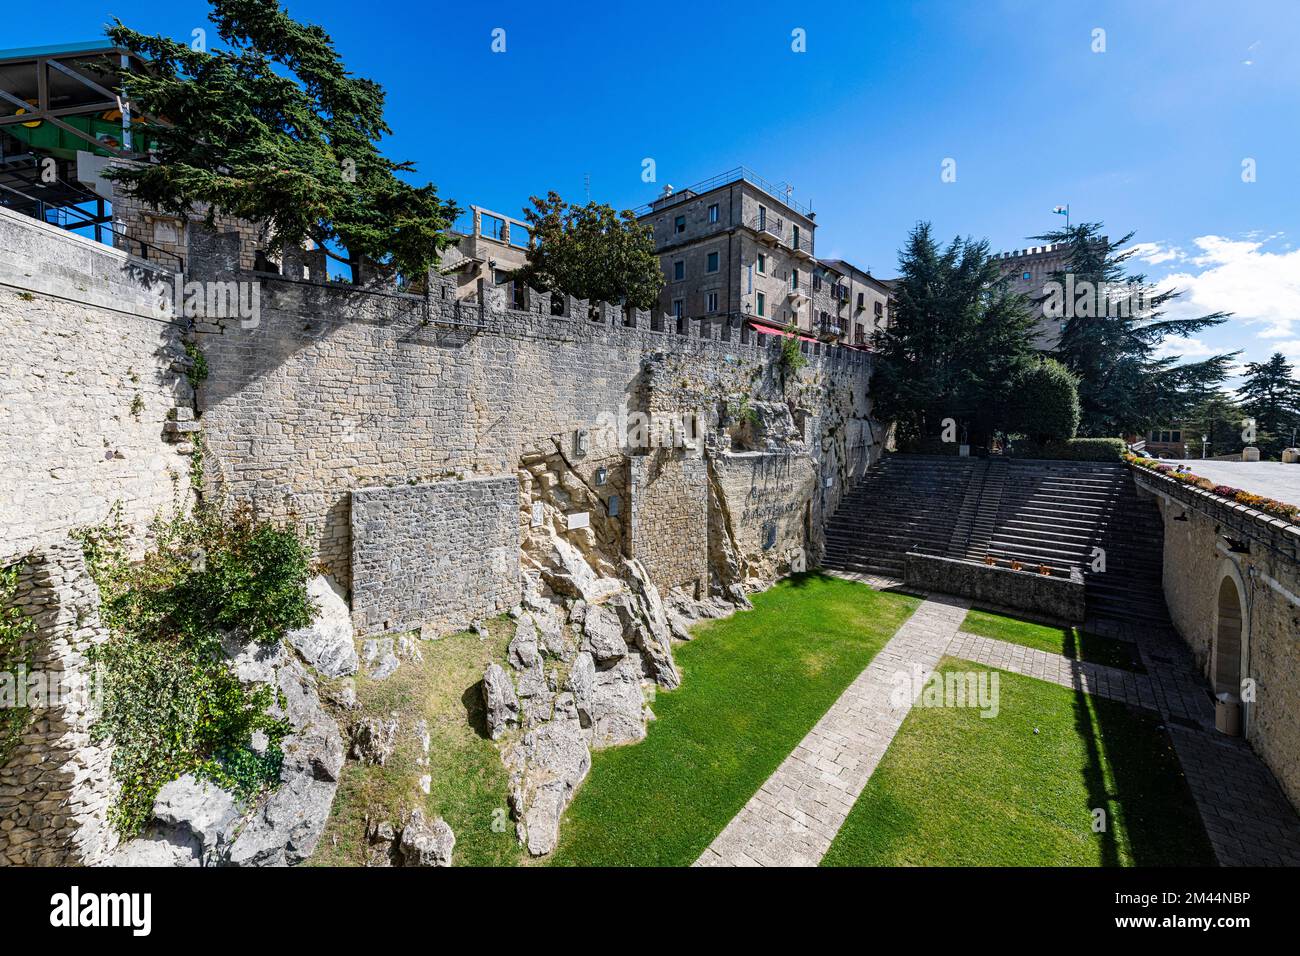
pixel 1038 512
pixel 903 503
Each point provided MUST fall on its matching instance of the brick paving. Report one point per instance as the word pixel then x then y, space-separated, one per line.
pixel 795 815
pixel 1113 683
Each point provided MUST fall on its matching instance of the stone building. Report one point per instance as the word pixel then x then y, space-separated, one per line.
pixel 1030 271
pixel 489 246
pixel 869 304
pixel 739 250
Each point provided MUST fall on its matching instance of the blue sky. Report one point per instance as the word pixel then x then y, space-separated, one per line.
pixel 1149 135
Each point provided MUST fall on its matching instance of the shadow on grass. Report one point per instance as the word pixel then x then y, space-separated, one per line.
pixel 1146 793
pixel 475 710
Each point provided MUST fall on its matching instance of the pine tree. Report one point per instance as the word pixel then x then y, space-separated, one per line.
pixel 1114 325
pixel 1270 394
pixel 957 342
pixel 275 130
pixel 1217 421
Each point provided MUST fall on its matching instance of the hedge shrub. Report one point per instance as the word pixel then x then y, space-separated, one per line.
pixel 1045 403
pixel 1076 449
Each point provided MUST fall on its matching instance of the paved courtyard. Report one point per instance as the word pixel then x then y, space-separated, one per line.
pixel 1272 479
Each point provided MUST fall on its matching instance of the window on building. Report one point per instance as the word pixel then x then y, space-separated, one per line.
pixel 712 300
pixel 1177 437
pixel 679 270
pixel 762 264
pixel 880 309
pixel 762 217
pixel 713 213
pixel 1025 276
pixel 679 224
pixel 862 300
pixel 796 237
pixel 794 278
pixel 679 308
pixel 762 304
pixel 713 262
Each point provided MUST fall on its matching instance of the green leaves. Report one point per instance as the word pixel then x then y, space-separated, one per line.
pixel 275 130
pixel 958 339
pixel 591 252
pixel 1045 403
pixel 172 704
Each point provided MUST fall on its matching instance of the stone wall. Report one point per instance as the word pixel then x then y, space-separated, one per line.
pixel 670 519
pixel 1057 598
pixel 1210 544
pixel 768 499
pixel 90 374
pixel 55 788
pixel 442 555
pixel 339 387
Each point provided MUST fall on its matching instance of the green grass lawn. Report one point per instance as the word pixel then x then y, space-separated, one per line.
pixel 753 686
pixel 469 783
pixel 957 789
pixel 1072 642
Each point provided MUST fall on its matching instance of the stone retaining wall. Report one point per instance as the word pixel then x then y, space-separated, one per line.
pixel 1054 597
pixel 1210 542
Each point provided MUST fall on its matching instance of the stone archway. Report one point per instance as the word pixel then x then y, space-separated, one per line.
pixel 1228 630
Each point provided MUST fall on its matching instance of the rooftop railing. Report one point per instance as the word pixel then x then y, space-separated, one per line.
pixel 781 192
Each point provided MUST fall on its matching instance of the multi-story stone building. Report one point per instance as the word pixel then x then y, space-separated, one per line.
pixel 736 249
pixel 866 309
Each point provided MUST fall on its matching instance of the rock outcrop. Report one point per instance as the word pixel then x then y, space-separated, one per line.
pixel 329 642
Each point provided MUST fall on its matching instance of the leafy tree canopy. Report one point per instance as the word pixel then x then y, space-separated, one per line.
pixel 275 130
pixel 591 252
pixel 1045 403
pixel 958 340
pixel 1114 325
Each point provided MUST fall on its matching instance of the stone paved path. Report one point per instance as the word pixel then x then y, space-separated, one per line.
pixel 1113 683
pixel 1248 819
pixel 795 815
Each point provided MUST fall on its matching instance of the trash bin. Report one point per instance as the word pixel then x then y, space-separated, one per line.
pixel 1227 714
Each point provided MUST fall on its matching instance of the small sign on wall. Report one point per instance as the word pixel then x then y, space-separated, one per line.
pixel 539 514
pixel 579 519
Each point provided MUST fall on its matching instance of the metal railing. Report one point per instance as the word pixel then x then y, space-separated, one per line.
pixel 778 191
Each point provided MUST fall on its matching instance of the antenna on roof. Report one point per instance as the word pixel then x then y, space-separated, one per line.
pixel 586 181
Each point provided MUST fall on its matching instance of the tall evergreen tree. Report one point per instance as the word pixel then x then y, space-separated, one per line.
pixel 1113 327
pixel 1270 394
pixel 276 130
pixel 1215 421
pixel 958 339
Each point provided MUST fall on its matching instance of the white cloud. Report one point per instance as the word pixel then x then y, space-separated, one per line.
pixel 1262 288
pixel 1153 253
pixel 1187 348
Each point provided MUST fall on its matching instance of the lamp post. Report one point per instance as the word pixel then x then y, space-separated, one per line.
pixel 1205 444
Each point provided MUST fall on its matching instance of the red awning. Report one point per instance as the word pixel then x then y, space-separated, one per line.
pixel 767 330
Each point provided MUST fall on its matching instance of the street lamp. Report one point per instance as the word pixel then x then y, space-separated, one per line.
pixel 1205 444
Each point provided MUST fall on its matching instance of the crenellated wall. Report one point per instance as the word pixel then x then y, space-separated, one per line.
pixel 337 388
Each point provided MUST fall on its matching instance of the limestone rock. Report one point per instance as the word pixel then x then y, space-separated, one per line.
pixel 426 844
pixel 523 653
pixel 374 740
pixel 380 657
pixel 602 634
pixel 154 850
pixel 328 643
pixel 549 764
pixel 582 684
pixel 286 825
pixel 617 703
pixel 499 700
pixel 197 813
pixel 572 576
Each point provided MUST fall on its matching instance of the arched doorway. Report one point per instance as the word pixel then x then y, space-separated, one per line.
pixel 1227 640
pixel 1226 658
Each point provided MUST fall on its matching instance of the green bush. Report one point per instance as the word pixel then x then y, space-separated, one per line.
pixel 1076 449
pixel 1045 403
pixel 171 703
pixel 14 626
